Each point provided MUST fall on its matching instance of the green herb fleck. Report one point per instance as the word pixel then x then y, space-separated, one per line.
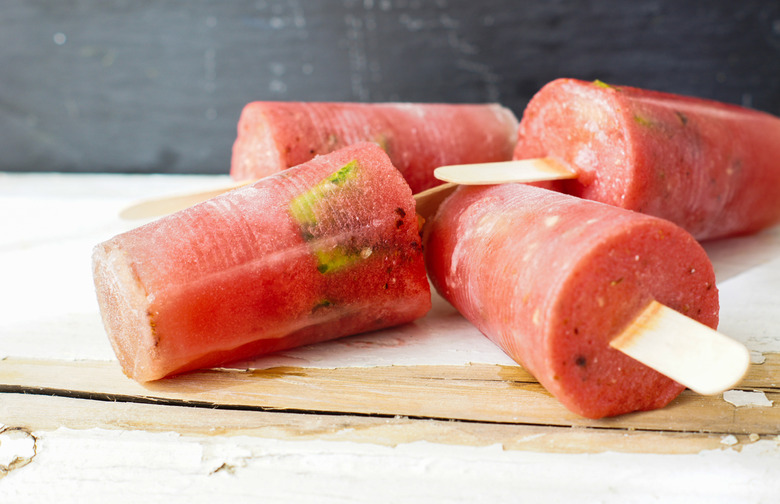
pixel 303 206
pixel 603 84
pixel 335 259
pixel 311 210
pixel 323 303
pixel 643 121
pixel 343 174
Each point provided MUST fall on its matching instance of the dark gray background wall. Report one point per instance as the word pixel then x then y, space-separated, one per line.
pixel 157 86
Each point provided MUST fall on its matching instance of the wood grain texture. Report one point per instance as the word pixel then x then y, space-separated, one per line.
pixel 36 413
pixel 476 393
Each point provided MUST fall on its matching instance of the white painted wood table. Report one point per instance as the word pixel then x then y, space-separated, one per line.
pixel 429 412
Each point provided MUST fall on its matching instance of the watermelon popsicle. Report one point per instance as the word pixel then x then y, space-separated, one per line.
pixel 273 136
pixel 712 168
pixel 326 249
pixel 554 280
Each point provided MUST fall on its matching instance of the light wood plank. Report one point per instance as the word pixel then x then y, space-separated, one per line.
pixel 35 413
pixel 482 393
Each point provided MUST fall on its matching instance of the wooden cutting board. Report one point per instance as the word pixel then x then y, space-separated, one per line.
pixel 477 404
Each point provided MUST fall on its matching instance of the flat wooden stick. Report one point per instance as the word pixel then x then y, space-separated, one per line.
pixel 502 172
pixel 685 350
pixel 428 201
pixel 526 170
pixel 164 205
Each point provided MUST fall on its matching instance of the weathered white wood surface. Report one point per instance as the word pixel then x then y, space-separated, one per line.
pixel 85 448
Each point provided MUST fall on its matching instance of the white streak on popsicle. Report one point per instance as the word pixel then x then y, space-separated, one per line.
pixel 683 349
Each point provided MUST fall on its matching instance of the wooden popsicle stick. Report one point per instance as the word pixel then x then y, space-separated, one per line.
pixel 164 205
pixel 526 170
pixel 683 349
pixel 501 172
pixel 428 201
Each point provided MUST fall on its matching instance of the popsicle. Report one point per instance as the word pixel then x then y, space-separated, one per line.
pixel 553 279
pixel 273 136
pixel 709 167
pixel 326 249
